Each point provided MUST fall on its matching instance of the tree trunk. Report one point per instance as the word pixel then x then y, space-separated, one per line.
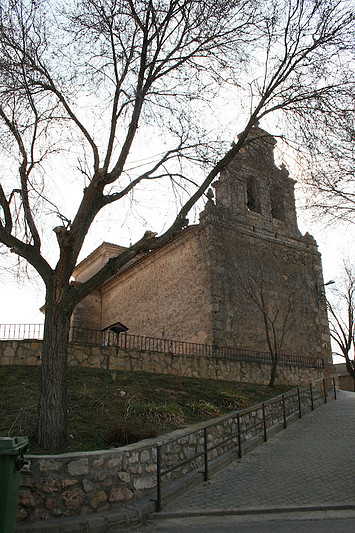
pixel 350 367
pixel 52 410
pixel 273 371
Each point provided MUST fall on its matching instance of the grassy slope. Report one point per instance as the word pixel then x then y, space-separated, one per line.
pixel 104 412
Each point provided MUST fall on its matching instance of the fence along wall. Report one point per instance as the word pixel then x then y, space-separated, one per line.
pixel 219 366
pixel 59 486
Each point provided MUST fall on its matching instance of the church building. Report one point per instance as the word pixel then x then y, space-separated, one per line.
pixel 218 282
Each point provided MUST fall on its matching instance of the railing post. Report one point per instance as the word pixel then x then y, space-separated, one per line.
pixel 311 391
pixel 284 411
pixel 158 478
pixel 299 402
pixel 334 388
pixel 205 453
pixel 325 391
pixel 239 437
pixel 264 422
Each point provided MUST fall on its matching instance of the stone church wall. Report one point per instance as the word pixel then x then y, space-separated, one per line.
pixel 202 286
pixel 287 274
pixel 165 295
pixel 87 313
pixel 263 270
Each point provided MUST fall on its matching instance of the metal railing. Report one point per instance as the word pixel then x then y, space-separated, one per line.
pixel 155 344
pixel 9 332
pixel 244 425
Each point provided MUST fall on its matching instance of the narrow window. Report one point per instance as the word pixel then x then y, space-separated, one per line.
pixel 253 203
pixel 277 203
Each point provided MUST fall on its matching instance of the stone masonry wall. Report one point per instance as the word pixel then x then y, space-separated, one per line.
pixel 258 252
pixel 29 352
pixel 198 287
pixel 58 486
pixel 81 483
pixel 165 295
pixel 247 263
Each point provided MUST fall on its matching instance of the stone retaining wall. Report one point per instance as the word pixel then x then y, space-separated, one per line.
pixel 28 352
pixel 83 483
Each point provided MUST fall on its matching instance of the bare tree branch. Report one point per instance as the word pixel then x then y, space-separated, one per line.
pixel 276 320
pixel 342 318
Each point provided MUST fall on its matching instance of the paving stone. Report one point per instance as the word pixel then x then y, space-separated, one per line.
pixel 310 463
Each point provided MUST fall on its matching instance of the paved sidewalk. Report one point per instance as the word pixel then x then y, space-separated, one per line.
pixel 309 464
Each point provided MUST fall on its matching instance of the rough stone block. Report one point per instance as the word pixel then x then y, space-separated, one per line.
pixel 69 483
pixel 99 498
pixel 50 465
pixel 122 494
pixel 51 485
pixel 144 482
pixel 98 463
pixel 52 505
pixel 87 485
pixel 78 467
pixel 124 477
pixel 115 463
pixel 73 499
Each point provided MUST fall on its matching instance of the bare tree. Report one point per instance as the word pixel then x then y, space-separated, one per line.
pixel 342 319
pixel 330 161
pixel 88 78
pixel 328 149
pixel 275 314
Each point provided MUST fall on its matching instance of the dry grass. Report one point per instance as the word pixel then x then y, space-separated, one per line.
pixel 112 410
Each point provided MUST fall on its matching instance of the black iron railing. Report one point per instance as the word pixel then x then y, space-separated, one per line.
pixel 155 344
pixel 244 425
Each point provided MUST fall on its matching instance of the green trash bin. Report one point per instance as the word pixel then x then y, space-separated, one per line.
pixel 11 462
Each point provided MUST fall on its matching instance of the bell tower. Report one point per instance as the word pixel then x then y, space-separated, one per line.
pixel 255 248
pixel 254 192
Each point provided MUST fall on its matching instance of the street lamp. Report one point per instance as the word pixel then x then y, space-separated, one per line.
pixel 318 287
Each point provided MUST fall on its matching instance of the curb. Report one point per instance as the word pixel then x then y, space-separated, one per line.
pixel 254 511
pixel 106 522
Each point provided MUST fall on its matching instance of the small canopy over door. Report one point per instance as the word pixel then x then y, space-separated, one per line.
pixel 110 333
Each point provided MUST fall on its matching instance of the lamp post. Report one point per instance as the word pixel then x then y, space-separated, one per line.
pixel 319 287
